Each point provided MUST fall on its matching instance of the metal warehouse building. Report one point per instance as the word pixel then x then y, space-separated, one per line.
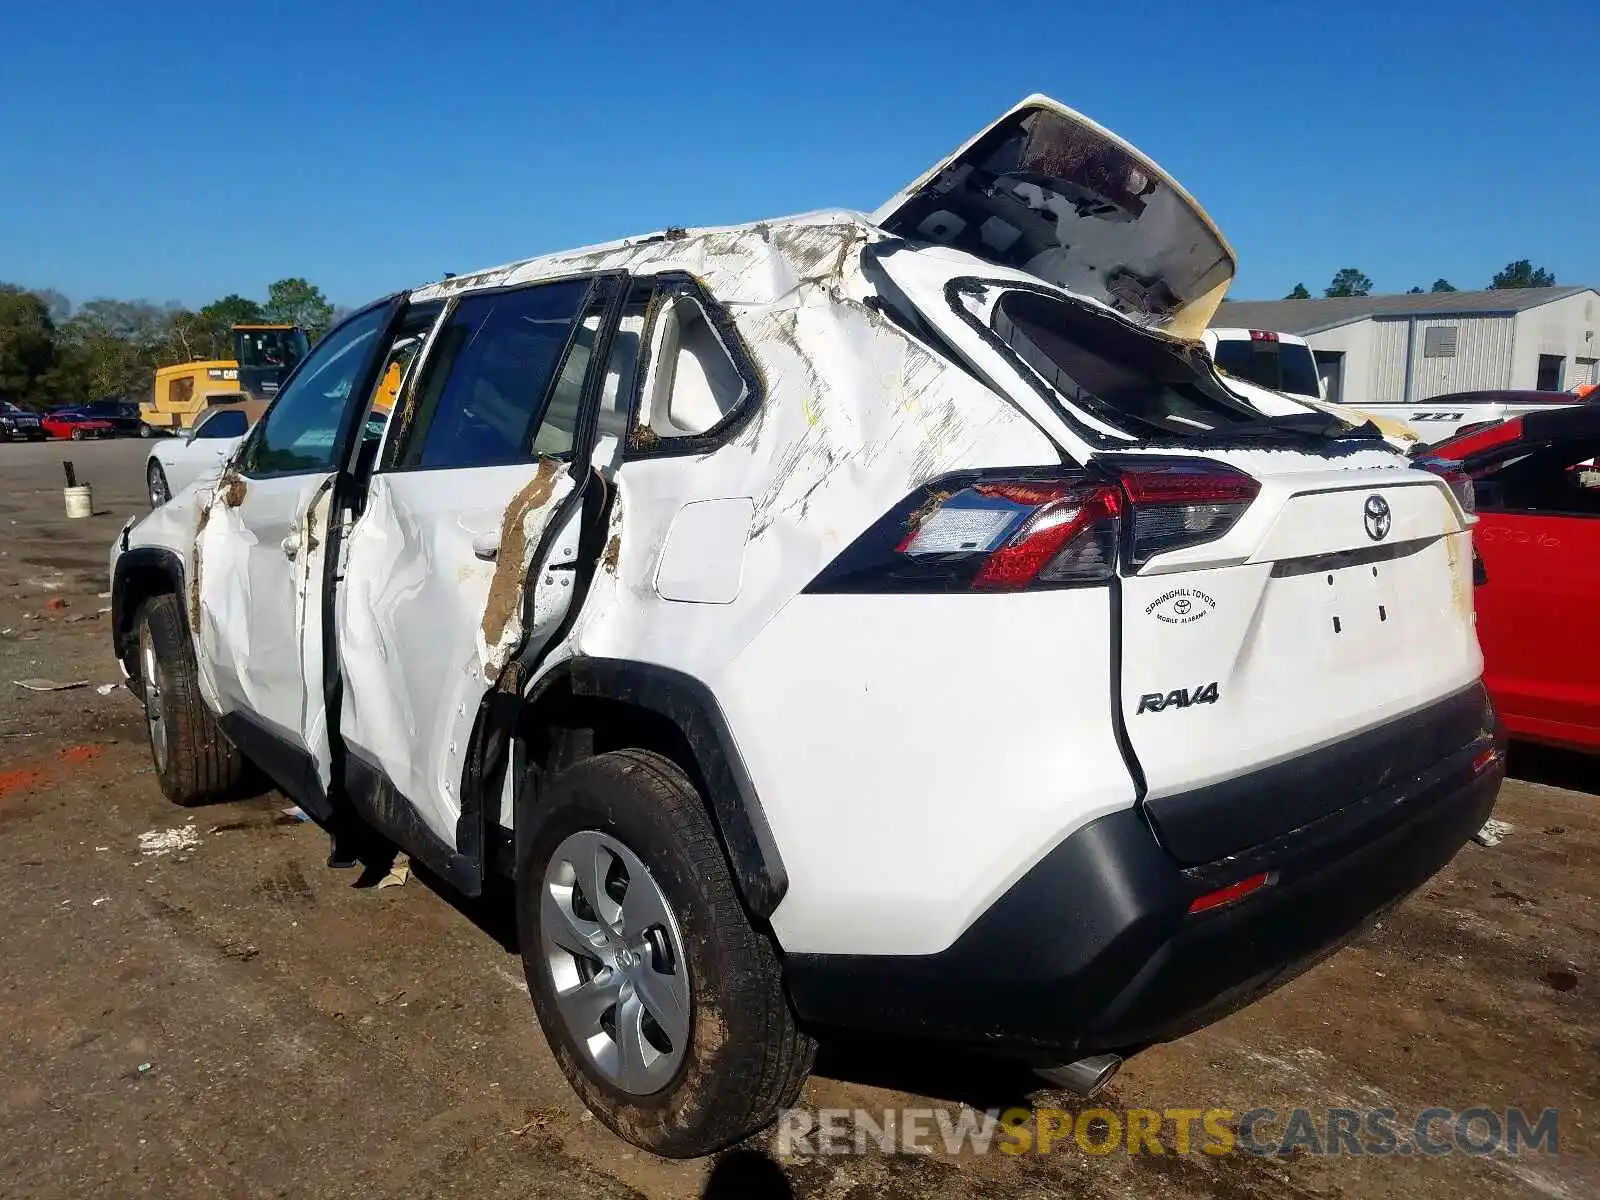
pixel 1371 349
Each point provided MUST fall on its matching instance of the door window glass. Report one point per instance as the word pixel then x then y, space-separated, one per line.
pixel 481 396
pixel 224 423
pixel 1558 479
pixel 300 432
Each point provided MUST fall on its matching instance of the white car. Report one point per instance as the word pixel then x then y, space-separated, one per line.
pixel 195 456
pixel 878 621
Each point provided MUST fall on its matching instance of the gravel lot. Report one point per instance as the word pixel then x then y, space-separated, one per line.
pixel 231 1017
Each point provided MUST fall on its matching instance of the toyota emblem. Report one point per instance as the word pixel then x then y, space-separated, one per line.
pixel 1376 513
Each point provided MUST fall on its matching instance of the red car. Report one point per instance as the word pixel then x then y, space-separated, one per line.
pixel 70 423
pixel 1538 541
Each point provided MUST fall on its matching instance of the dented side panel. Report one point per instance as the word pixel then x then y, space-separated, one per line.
pixel 429 612
pixel 854 414
pixel 251 605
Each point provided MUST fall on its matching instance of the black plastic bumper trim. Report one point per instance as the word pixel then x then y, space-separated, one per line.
pixel 1209 823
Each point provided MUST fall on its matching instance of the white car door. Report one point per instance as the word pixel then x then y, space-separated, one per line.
pixel 256 583
pixel 430 607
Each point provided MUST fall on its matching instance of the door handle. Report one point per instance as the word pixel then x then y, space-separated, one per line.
pixel 486 546
pixel 290 545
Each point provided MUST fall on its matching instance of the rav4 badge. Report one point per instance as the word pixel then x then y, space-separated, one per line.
pixel 1178 698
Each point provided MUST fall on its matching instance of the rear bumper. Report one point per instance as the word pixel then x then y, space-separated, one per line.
pixel 1095 949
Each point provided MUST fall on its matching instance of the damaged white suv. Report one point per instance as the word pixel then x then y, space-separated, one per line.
pixel 888 622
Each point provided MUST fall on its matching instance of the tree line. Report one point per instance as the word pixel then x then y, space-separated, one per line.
pixel 1352 282
pixel 52 353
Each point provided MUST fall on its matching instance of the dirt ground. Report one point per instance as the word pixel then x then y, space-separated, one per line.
pixel 232 1018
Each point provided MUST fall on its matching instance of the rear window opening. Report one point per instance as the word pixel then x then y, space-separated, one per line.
pixel 1282 366
pixel 1133 380
pixel 696 383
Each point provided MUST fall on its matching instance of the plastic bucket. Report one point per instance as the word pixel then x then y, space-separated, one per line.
pixel 80 500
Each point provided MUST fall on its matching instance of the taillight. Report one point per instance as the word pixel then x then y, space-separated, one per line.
pixel 1181 502
pixel 1455 475
pixel 986 532
pixel 1007 531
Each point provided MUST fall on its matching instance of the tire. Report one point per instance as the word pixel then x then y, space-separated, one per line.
pixel 741 1058
pixel 144 430
pixel 194 760
pixel 77 435
pixel 156 488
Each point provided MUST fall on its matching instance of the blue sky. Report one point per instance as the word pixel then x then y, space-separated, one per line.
pixel 183 151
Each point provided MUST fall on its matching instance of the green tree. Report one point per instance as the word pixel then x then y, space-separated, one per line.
pixel 111 348
pixel 217 320
pixel 1414 291
pixel 1522 274
pixel 59 306
pixel 1349 282
pixel 27 344
pixel 296 302
pixel 1442 285
pixel 1299 293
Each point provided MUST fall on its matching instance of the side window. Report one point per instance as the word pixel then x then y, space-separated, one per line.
pixel 392 380
pixel 299 432
pixel 226 423
pixel 481 396
pixel 1557 479
pixel 694 382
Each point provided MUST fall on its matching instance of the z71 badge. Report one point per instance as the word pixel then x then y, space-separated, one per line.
pixel 1178 698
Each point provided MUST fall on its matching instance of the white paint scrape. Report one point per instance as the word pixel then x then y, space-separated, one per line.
pixel 153 843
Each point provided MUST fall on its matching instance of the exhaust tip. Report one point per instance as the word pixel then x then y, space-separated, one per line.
pixel 1086 1076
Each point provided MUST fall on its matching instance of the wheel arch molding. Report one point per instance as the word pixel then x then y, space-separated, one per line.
pixel 140 573
pixel 681 705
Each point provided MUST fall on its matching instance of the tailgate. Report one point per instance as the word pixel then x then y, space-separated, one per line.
pixel 1339 603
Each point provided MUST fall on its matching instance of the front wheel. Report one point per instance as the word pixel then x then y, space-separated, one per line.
pixel 194 760
pixel 77 435
pixel 144 430
pixel 664 1006
pixel 156 481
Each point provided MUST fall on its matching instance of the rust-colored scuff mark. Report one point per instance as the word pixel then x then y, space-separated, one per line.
pixel 18 779
pixel 613 551
pixel 232 489
pixel 1460 596
pixel 510 681
pixel 505 589
pixel 194 568
pixel 926 509
pixel 642 437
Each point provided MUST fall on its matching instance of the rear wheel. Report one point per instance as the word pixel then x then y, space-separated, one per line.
pixel 194 760
pixel 156 479
pixel 77 435
pixel 663 1004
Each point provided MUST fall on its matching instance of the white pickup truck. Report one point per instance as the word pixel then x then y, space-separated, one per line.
pixel 1285 363
pixel 1439 418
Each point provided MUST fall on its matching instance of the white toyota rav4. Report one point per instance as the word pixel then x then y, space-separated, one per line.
pixel 888 622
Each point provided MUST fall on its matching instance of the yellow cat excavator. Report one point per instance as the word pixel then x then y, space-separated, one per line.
pixel 262 356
